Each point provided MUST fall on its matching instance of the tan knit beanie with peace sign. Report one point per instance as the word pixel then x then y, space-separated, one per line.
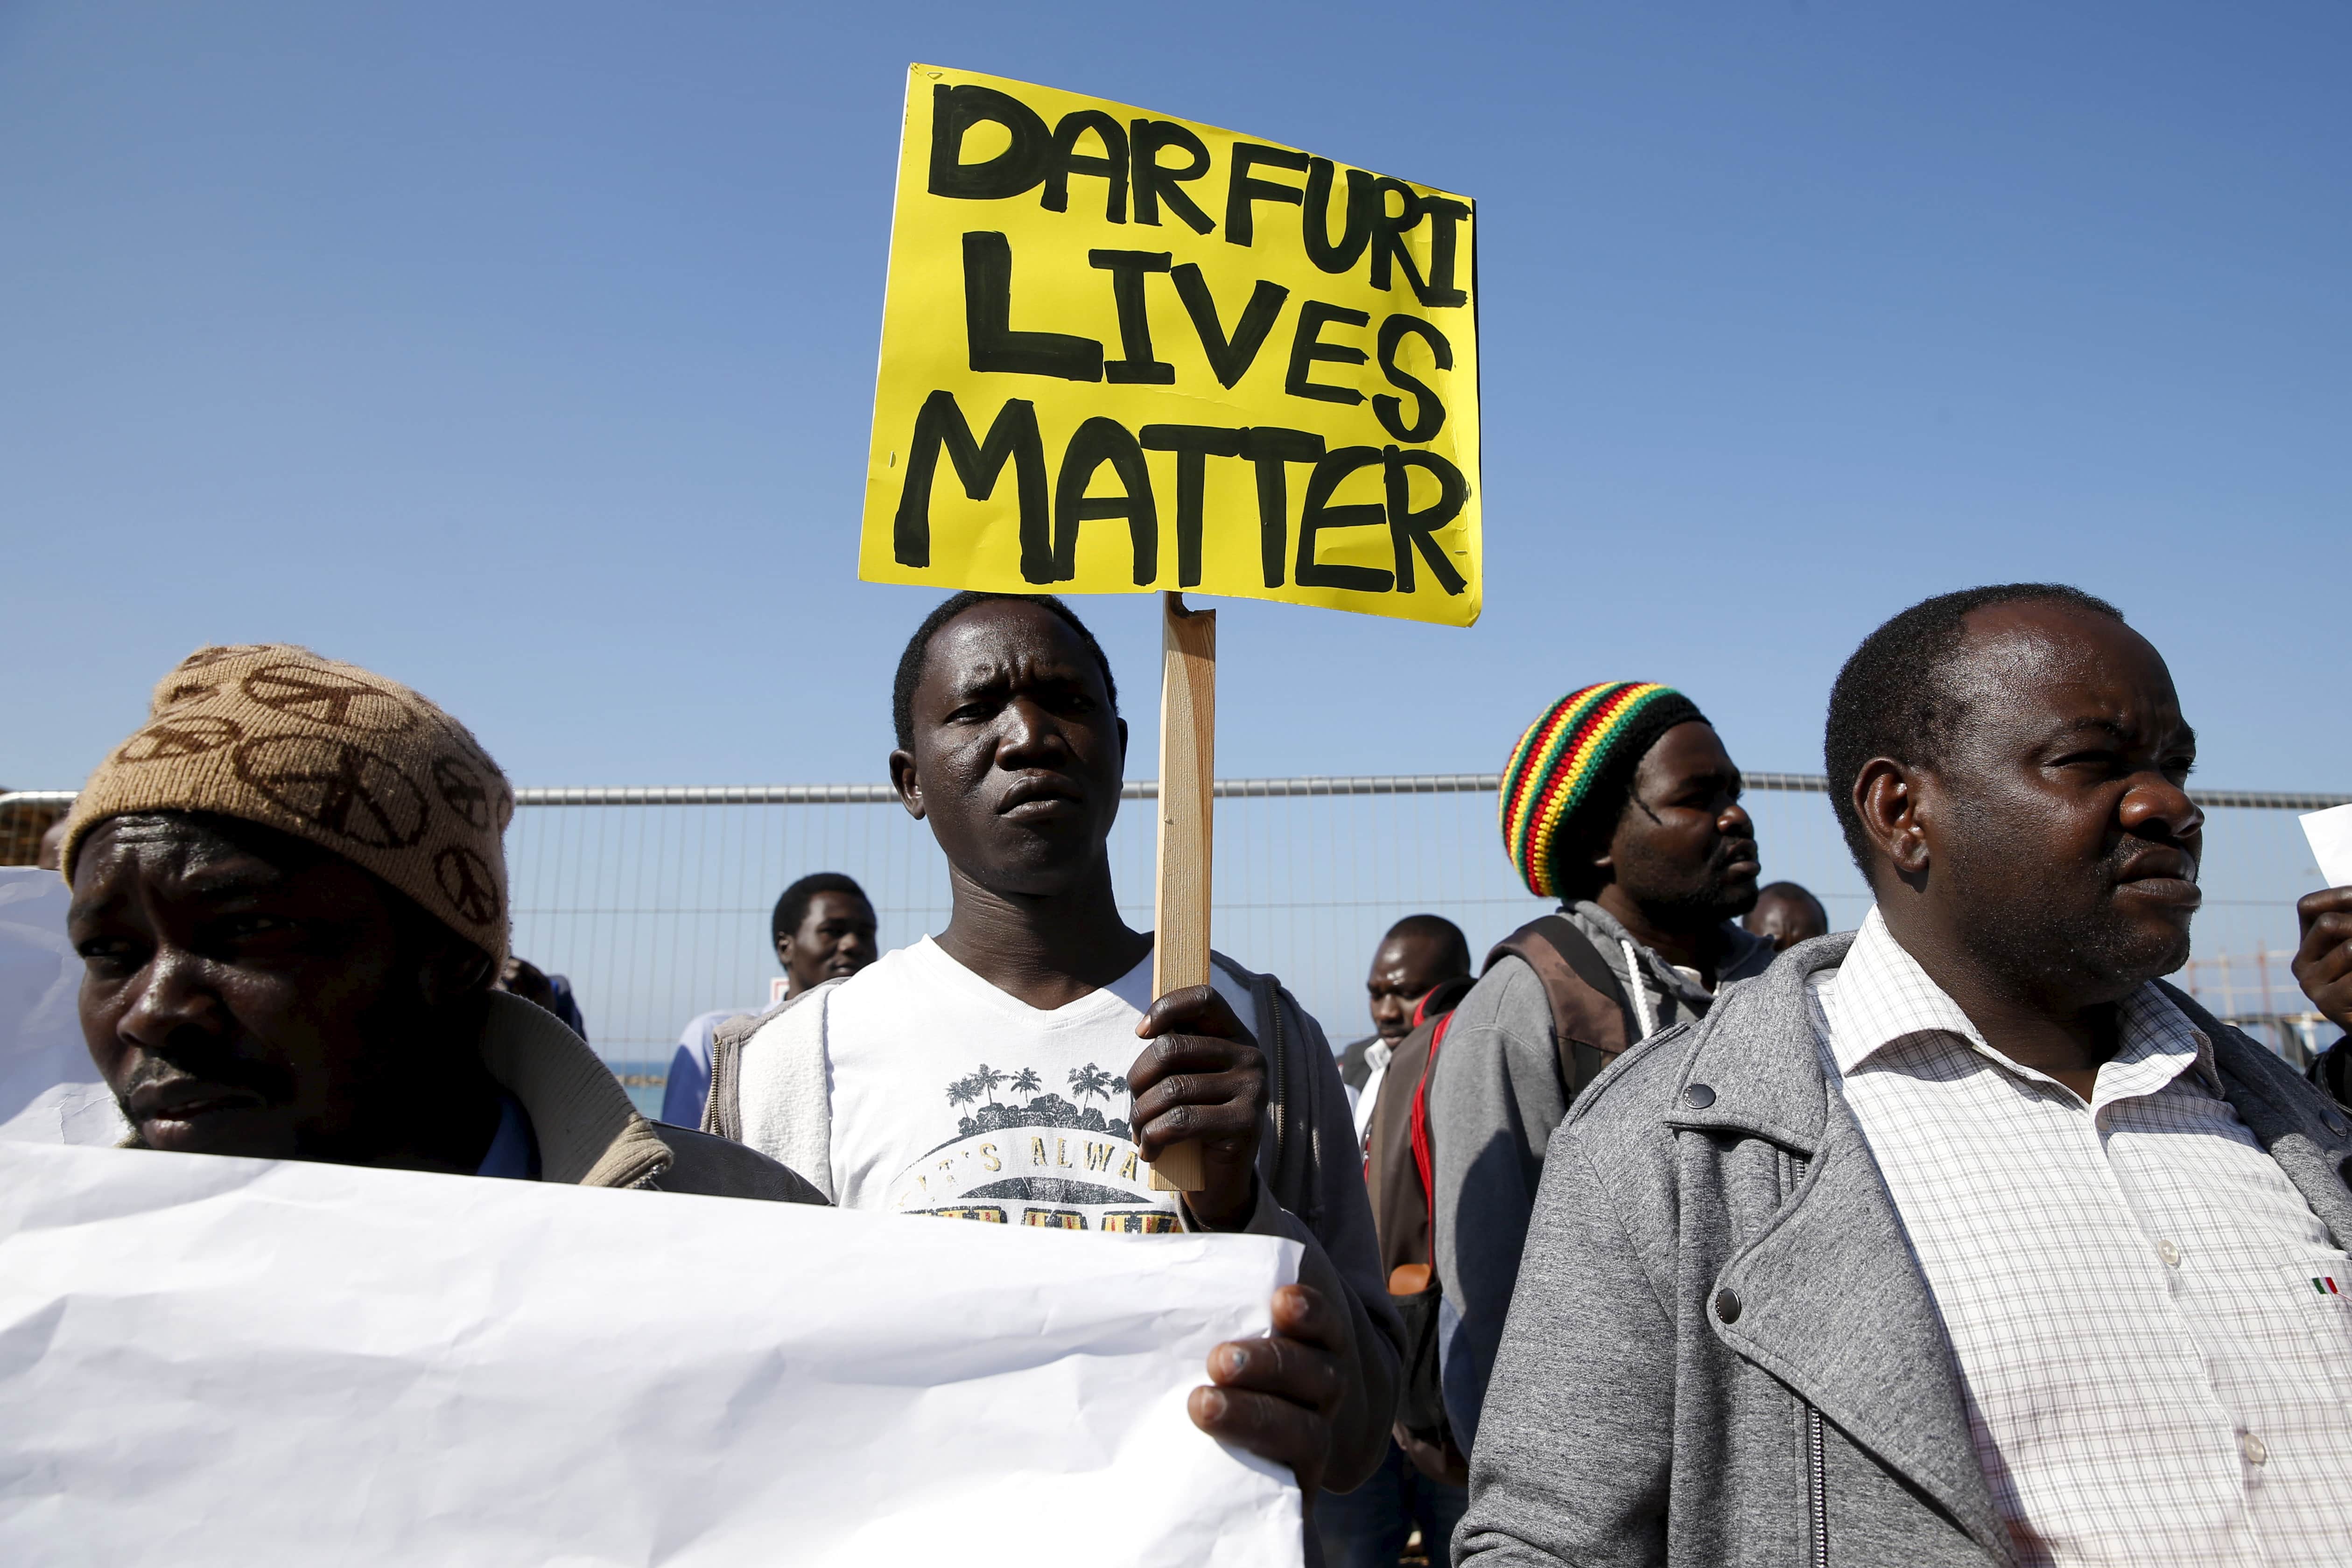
pixel 358 765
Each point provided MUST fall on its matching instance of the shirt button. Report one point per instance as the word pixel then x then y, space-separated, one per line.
pixel 1726 1306
pixel 2254 1449
pixel 2171 1256
pixel 1698 1096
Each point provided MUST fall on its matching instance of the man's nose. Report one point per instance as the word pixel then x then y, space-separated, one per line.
pixel 1028 730
pixel 1734 822
pixel 174 998
pixel 2155 807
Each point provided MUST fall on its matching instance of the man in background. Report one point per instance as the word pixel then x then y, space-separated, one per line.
pixel 1419 954
pixel 1786 915
pixel 523 979
pixel 823 929
pixel 1419 1486
pixel 1621 803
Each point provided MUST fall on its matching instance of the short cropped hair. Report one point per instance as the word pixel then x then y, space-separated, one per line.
pixel 792 907
pixel 1452 948
pixel 1793 890
pixel 918 647
pixel 1893 697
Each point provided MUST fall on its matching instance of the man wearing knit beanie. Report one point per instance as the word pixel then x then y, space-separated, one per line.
pixel 1621 802
pixel 290 895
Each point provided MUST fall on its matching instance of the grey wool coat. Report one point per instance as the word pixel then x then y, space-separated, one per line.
pixel 1722 1350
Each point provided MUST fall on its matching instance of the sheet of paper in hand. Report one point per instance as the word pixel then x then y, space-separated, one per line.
pixel 1123 353
pixel 215 1361
pixel 2330 832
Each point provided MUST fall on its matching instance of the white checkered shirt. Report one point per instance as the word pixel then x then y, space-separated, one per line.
pixel 2152 1330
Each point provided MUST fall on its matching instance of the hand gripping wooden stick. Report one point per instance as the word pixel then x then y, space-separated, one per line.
pixel 1187 723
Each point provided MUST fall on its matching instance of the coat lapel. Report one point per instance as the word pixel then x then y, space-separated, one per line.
pixel 1831 1300
pixel 1832 1304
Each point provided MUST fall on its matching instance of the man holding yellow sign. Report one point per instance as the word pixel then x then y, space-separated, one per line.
pixel 1122 353
pixel 1253 371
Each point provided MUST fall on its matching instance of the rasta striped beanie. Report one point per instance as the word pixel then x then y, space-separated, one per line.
pixel 1572 768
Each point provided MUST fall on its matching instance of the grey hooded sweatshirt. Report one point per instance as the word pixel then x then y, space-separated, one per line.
pixel 1495 1096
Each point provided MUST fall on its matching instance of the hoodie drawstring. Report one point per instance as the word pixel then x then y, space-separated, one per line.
pixel 1640 993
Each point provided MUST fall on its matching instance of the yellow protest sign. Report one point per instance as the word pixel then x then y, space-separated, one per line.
pixel 1122 353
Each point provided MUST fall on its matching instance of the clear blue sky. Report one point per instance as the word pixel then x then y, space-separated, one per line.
pixel 524 352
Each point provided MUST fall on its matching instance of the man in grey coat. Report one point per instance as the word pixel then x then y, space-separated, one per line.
pixel 1960 1239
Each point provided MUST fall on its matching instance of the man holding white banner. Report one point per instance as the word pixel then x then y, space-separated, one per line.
pixel 290 898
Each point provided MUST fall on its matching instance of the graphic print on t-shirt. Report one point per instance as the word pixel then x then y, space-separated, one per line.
pixel 951 1097
pixel 1034 1156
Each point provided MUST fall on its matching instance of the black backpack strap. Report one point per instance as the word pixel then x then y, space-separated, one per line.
pixel 1552 945
pixel 1571 969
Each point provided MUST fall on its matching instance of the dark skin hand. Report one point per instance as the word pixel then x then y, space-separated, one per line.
pixel 246 994
pixel 836 939
pixel 1016 765
pixel 1277 1397
pixel 1404 970
pixel 2323 963
pixel 1202 1077
pixel 1682 859
pixel 2046 867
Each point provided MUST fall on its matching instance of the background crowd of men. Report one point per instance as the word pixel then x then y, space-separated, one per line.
pixel 1671 1229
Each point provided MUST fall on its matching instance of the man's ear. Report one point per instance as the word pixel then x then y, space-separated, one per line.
pixel 453 970
pixel 1603 862
pixel 903 780
pixel 784 950
pixel 1887 799
pixel 1122 749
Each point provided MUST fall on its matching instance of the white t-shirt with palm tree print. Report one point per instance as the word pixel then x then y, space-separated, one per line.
pixel 953 1098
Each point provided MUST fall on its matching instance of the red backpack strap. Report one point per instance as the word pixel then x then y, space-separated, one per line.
pixel 1421 1156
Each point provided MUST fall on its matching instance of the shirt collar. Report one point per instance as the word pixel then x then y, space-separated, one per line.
pixel 1880 995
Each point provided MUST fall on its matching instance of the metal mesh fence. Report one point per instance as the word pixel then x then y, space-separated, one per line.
pixel 655 902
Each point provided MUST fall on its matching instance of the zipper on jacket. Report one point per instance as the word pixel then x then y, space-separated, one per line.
pixel 1279 1089
pixel 1817 1486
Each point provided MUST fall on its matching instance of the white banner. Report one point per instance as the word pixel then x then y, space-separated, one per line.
pixel 215 1360
pixel 50 1091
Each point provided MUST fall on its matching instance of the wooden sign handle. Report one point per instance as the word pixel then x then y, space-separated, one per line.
pixel 1188 725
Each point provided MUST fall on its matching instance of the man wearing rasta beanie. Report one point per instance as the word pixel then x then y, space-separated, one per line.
pixel 1619 802
pixel 289 895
